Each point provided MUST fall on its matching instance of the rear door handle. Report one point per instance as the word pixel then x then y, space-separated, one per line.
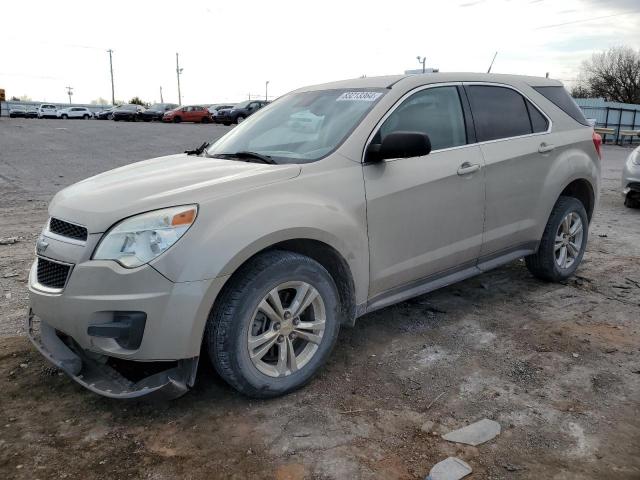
pixel 466 168
pixel 546 148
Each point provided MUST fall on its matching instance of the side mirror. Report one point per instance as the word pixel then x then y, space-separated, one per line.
pixel 399 145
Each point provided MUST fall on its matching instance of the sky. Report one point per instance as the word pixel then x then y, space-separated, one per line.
pixel 229 49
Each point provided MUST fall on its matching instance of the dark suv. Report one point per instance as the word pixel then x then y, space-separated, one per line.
pixel 156 111
pixel 238 113
pixel 127 112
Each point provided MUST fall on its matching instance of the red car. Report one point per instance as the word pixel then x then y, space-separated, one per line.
pixel 191 113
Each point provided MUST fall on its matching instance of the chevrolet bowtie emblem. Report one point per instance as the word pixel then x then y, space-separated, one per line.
pixel 41 246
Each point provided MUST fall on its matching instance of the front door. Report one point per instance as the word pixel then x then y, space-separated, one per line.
pixel 425 214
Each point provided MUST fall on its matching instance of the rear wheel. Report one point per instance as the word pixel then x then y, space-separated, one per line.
pixel 85 116
pixel 563 242
pixel 274 325
pixel 64 116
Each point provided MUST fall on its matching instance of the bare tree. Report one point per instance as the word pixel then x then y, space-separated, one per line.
pixel 613 75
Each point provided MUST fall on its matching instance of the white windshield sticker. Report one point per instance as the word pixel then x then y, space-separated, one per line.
pixel 358 97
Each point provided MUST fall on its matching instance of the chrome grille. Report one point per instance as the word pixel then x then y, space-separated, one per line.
pixel 67 229
pixel 52 274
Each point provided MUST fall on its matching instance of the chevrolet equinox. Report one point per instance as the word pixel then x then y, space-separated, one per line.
pixel 332 202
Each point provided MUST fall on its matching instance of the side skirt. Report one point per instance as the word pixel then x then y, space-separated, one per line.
pixel 443 279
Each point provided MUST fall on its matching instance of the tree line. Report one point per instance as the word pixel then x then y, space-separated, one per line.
pixel 613 75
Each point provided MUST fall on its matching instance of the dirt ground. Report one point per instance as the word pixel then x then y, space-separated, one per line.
pixel 556 365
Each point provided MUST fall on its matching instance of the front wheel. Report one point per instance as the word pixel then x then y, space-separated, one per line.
pixel 274 325
pixel 65 117
pixel 563 242
pixel 240 119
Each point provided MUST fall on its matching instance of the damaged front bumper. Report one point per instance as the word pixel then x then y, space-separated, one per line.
pixel 92 371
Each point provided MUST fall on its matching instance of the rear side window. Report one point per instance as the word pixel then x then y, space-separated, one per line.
pixel 498 112
pixel 539 123
pixel 434 111
pixel 561 99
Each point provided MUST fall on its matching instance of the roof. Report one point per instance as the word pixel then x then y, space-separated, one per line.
pixel 389 81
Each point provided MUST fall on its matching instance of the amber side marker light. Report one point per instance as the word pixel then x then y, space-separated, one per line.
pixel 184 218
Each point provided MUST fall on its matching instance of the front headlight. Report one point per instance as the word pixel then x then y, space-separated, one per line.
pixel 139 239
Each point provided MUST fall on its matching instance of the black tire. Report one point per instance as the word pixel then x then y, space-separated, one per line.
pixel 85 116
pixel 631 202
pixel 543 263
pixel 205 120
pixel 240 119
pixel 177 119
pixel 226 124
pixel 229 321
pixel 64 117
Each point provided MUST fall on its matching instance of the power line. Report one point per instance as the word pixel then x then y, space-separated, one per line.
pixel 587 20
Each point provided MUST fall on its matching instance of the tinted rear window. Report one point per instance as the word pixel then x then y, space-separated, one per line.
pixel 498 112
pixel 560 97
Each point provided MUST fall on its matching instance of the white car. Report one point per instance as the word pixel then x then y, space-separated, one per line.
pixel 47 110
pixel 74 112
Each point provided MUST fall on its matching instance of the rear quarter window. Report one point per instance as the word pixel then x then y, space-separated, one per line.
pixel 561 99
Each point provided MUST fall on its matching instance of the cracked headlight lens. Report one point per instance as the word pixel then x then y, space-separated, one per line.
pixel 139 239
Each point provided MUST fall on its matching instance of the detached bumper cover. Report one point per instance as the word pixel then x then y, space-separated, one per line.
pixel 103 379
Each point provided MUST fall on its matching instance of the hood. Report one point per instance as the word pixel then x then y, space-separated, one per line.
pixel 99 202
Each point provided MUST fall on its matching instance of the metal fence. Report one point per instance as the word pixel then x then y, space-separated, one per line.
pixel 619 116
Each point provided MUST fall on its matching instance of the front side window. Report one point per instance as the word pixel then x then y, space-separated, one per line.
pixel 498 112
pixel 434 111
pixel 300 127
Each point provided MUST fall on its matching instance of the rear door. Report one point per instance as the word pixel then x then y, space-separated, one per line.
pixel 514 137
pixel 425 214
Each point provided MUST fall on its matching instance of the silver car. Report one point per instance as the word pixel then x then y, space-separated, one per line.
pixel 631 180
pixel 258 248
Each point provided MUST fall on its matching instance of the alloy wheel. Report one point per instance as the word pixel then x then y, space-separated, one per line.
pixel 286 329
pixel 568 242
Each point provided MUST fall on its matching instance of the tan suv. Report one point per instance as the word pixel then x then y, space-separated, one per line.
pixel 331 202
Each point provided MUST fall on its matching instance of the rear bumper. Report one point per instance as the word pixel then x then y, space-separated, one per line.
pixel 93 373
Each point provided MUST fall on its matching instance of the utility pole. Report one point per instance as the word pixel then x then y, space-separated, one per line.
pixel 266 91
pixel 422 60
pixel 492 60
pixel 69 92
pixel 113 92
pixel 178 72
pixel 161 99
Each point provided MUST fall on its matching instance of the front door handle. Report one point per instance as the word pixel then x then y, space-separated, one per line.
pixel 466 168
pixel 546 148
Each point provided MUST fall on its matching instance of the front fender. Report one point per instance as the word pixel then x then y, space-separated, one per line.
pixel 328 207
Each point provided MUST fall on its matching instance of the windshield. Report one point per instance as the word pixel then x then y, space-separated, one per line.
pixel 244 104
pixel 300 127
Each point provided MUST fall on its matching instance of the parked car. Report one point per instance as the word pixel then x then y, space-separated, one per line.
pixel 128 112
pixel 74 112
pixel 214 109
pixel 32 112
pixel 631 180
pixel 46 110
pixel 16 111
pixel 259 248
pixel 190 113
pixel 156 111
pixel 106 114
pixel 239 112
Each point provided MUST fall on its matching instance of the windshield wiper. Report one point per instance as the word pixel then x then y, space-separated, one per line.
pixel 249 155
pixel 199 150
